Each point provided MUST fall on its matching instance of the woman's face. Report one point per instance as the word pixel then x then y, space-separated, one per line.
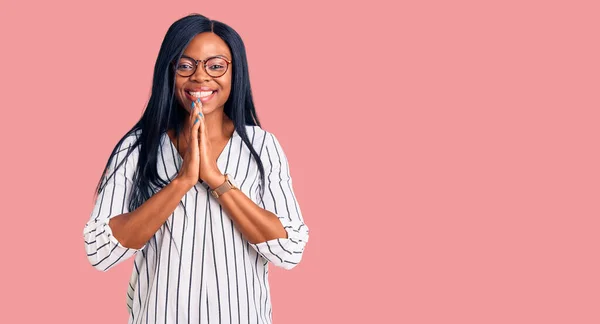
pixel 212 91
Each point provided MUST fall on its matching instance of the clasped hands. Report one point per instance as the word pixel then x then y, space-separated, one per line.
pixel 198 162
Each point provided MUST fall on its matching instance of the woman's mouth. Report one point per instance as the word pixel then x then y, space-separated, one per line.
pixel 203 95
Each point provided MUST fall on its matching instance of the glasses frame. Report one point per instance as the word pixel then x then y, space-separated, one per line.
pixel 197 62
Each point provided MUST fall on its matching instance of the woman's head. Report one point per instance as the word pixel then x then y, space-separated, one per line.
pixel 196 37
pixel 168 107
pixel 203 72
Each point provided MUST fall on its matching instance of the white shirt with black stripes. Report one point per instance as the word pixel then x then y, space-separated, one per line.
pixel 198 268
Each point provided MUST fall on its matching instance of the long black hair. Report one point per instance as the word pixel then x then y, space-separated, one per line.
pixel 163 112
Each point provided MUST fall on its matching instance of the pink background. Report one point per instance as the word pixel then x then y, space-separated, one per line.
pixel 444 153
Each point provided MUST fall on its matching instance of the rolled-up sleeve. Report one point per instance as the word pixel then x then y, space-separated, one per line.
pixel 103 250
pixel 279 198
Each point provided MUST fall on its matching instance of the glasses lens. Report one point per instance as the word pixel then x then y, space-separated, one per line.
pixel 185 67
pixel 216 67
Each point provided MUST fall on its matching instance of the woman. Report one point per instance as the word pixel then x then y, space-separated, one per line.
pixel 197 190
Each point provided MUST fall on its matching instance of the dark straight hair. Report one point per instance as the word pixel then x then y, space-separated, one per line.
pixel 163 112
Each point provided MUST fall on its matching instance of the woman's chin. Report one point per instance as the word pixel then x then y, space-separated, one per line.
pixel 207 110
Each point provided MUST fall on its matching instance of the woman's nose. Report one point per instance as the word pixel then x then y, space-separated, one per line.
pixel 200 75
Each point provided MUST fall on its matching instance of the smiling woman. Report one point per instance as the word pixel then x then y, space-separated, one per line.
pixel 190 82
pixel 197 191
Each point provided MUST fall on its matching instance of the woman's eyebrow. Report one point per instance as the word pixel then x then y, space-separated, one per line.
pixel 209 56
pixel 219 55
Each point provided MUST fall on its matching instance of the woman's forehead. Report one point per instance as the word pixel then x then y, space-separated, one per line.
pixel 205 45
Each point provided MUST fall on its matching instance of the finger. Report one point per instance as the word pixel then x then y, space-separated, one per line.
pixel 201 128
pixel 188 136
pixel 199 105
pixel 195 125
pixel 199 115
pixel 192 128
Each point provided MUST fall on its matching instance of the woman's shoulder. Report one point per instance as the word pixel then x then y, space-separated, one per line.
pixel 258 133
pixel 128 143
pixel 131 137
pixel 259 137
pixel 266 144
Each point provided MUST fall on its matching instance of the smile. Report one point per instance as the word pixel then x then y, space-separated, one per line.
pixel 203 95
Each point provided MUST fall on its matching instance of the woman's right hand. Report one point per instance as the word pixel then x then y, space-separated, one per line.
pixel 190 167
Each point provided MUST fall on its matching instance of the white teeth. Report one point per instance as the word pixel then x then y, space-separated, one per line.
pixel 201 93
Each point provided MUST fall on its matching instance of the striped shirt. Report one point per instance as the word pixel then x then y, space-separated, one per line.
pixel 199 268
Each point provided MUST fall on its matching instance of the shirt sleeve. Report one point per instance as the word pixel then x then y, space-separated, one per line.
pixel 103 250
pixel 279 198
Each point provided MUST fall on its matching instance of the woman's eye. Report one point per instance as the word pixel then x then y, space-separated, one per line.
pixel 216 67
pixel 184 66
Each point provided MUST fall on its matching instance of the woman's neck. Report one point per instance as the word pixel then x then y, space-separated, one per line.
pixel 218 125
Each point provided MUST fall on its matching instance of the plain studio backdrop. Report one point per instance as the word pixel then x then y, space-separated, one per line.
pixel 444 153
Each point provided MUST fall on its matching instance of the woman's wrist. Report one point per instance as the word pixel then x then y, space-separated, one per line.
pixel 215 181
pixel 182 184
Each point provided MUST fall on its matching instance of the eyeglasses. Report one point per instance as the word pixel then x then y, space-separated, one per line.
pixel 214 66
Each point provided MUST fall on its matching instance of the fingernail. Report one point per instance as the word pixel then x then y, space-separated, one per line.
pixel 196 121
pixel 192 105
pixel 200 113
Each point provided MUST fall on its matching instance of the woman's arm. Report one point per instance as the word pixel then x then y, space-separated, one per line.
pixel 257 224
pixel 277 230
pixel 113 233
pixel 136 228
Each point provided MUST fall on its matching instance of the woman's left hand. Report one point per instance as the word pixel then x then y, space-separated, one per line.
pixel 209 171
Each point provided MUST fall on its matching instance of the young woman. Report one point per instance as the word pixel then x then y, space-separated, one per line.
pixel 197 191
